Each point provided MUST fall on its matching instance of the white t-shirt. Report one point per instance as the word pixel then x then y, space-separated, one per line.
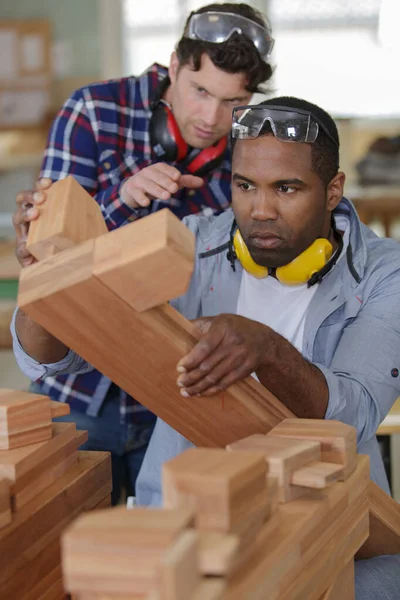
pixel 281 307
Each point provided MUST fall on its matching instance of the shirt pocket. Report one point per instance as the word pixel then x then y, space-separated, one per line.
pixel 331 330
pixel 114 167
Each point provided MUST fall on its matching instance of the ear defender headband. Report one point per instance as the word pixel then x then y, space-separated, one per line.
pixel 309 267
pixel 169 145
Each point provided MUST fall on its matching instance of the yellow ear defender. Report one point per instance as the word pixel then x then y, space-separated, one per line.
pixel 305 268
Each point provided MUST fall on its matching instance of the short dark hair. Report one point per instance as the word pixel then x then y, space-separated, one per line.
pixel 238 54
pixel 324 151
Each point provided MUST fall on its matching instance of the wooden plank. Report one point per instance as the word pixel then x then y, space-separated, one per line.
pixel 283 456
pixel 20 465
pixel 64 461
pixel 62 293
pixel 59 409
pixel 80 489
pixel 338 440
pixel 67 217
pixel 5 503
pixel 343 588
pixel 384 537
pixel 24 419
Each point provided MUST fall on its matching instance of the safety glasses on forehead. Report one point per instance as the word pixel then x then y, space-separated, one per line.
pixel 217 27
pixel 287 124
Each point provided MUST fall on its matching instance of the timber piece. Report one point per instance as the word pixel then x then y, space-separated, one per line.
pixel 338 440
pixel 284 457
pixel 229 492
pixel 316 475
pixel 49 471
pixel 5 503
pixel 42 520
pixel 318 535
pixel 384 525
pixel 59 409
pixel 121 551
pixel 21 465
pixel 343 588
pixel 218 552
pixel 129 260
pixel 24 419
pixel 64 296
pixel 68 216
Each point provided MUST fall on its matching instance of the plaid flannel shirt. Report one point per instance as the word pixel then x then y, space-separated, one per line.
pixel 101 137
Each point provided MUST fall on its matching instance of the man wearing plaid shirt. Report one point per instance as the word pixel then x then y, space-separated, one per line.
pixel 140 144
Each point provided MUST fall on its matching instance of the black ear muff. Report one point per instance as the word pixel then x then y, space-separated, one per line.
pixel 208 159
pixel 165 137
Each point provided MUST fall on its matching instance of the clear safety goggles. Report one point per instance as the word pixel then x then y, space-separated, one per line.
pixel 217 27
pixel 287 124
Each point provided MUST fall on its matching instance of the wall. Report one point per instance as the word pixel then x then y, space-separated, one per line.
pixel 75 23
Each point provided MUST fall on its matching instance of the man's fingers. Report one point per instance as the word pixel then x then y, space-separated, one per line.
pixel 202 350
pixel 189 378
pixel 43 184
pixel 215 380
pixel 191 181
pixel 171 172
pixel 140 198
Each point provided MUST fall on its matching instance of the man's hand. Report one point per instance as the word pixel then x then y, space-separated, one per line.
pixel 156 181
pixel 27 211
pixel 230 349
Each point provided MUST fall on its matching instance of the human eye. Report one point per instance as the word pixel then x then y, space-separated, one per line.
pixel 245 186
pixel 286 189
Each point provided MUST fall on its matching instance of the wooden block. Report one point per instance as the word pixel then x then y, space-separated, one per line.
pixel 384 525
pixel 20 465
pixel 42 520
pixel 67 217
pixel 228 491
pixel 343 588
pixel 217 552
pixel 131 259
pixel 32 575
pixel 120 550
pixel 316 475
pixel 5 503
pixel 283 456
pixel 338 440
pixel 66 298
pixel 24 419
pixel 59 409
pixel 179 568
pixel 53 468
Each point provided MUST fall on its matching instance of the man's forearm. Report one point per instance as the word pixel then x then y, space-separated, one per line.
pixel 38 343
pixel 294 381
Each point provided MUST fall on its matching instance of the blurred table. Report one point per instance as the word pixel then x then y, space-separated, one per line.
pixel 376 202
